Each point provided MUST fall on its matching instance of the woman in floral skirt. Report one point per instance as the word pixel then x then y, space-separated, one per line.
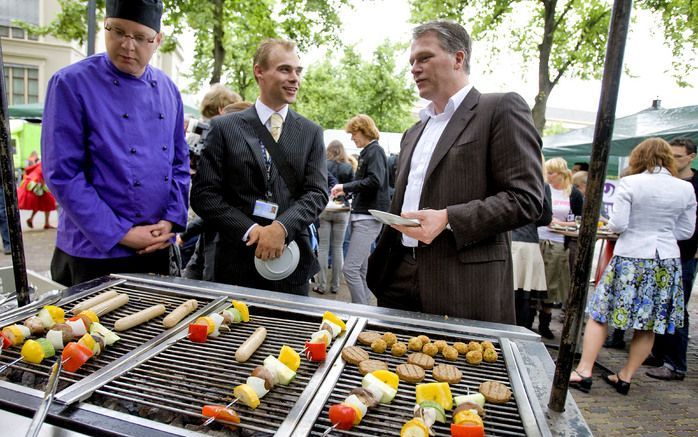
pixel 641 287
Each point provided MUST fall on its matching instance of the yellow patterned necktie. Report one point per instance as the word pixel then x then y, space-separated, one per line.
pixel 276 121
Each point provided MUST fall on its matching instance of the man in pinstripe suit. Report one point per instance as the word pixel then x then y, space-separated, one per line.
pixel 469 171
pixel 236 172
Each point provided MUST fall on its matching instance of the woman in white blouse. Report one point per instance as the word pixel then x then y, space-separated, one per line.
pixel 641 287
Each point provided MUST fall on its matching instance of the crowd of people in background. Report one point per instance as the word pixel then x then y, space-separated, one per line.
pixel 261 183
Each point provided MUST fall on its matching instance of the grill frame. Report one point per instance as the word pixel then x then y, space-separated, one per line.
pixel 310 424
pixel 94 419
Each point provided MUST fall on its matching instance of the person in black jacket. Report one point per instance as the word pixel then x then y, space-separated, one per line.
pixel 370 191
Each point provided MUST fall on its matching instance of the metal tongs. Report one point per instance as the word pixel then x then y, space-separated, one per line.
pixel 9 297
pixel 41 412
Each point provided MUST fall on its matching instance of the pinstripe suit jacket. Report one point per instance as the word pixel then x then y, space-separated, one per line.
pixel 486 171
pixel 232 176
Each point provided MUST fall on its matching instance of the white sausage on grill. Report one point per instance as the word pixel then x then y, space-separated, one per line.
pixel 142 316
pixel 110 305
pixel 250 345
pixel 89 303
pixel 179 313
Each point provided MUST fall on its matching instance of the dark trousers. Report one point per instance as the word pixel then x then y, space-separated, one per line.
pixel 71 270
pixel 672 348
pixel 403 291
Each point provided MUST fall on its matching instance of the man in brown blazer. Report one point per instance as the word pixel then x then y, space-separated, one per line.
pixel 469 171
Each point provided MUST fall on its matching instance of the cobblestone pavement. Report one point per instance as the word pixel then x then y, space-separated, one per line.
pixel 652 408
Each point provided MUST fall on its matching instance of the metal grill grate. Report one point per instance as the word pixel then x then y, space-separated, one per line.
pixel 139 298
pixel 387 419
pixel 186 375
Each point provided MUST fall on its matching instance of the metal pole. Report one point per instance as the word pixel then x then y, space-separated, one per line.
pixel 603 132
pixel 91 26
pixel 9 189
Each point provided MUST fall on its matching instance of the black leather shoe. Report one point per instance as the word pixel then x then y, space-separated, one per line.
pixel 621 386
pixel 665 374
pixel 583 385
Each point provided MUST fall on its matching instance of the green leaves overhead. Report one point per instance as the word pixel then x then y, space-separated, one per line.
pixel 333 92
pixel 567 37
pixel 227 33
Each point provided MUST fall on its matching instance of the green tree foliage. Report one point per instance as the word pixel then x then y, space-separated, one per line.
pixel 226 32
pixel 567 37
pixel 332 93
pixel 680 20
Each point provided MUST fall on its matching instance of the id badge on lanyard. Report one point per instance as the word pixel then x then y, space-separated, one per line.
pixel 266 208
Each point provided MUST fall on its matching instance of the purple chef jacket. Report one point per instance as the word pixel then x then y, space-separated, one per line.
pixel 114 155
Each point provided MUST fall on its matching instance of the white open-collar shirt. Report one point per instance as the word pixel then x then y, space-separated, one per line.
pixel 436 124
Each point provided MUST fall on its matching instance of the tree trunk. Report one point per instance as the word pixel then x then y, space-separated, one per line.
pixel 538 110
pixel 218 49
pixel 544 83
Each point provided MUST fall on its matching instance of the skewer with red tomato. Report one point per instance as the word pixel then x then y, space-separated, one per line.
pixel 330 327
pixel 377 387
pixel 61 331
pixel 281 370
pixel 210 326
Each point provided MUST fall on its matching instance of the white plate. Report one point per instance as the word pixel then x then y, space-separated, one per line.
pixel 392 219
pixel 281 267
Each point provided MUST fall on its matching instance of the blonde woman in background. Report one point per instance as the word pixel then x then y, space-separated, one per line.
pixel 217 98
pixel 567 202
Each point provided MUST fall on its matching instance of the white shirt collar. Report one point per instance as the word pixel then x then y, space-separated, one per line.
pixel 264 112
pixel 658 170
pixel 453 103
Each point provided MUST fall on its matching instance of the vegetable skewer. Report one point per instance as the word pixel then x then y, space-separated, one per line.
pixel 330 327
pixel 213 417
pixel 378 387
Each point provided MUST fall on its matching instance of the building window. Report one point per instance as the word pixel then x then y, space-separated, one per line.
pixel 22 10
pixel 21 84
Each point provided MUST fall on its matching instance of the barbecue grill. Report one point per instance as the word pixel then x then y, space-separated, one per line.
pixel 154 381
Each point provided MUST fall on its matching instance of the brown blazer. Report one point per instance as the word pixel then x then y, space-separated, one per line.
pixel 486 170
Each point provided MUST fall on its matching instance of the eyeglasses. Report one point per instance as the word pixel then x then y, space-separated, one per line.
pixel 138 39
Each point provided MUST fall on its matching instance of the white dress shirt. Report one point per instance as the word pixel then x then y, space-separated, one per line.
pixel 264 113
pixel 436 123
pixel 651 211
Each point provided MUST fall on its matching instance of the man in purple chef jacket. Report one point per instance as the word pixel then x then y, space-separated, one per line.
pixel 114 153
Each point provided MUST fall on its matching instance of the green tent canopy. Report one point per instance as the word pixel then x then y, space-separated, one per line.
pixel 34 111
pixel 628 132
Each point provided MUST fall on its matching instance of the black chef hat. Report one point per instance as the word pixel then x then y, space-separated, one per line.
pixel 146 12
